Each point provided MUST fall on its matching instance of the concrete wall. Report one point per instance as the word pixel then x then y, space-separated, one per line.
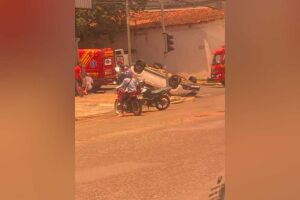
pixel 190 54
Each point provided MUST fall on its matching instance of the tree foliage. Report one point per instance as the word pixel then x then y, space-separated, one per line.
pixel 107 17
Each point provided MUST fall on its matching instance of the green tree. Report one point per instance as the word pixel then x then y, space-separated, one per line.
pixel 107 17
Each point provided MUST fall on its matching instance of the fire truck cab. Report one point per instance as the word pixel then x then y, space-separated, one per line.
pixel 218 65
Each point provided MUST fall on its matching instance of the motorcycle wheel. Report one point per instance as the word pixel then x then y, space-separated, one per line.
pixel 117 107
pixel 136 107
pixel 162 103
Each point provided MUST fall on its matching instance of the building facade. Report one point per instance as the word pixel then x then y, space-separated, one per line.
pixel 197 32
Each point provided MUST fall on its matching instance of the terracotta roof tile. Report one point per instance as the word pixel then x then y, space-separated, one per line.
pixel 147 19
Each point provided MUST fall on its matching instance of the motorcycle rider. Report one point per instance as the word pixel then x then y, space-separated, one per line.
pixel 123 72
pixel 129 85
pixel 127 71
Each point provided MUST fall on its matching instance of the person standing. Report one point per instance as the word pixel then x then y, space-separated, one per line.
pixel 78 79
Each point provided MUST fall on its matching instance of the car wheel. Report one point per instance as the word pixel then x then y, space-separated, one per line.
pixel 174 81
pixel 139 66
pixel 193 79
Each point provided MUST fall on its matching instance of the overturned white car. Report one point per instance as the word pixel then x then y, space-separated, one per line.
pixel 157 77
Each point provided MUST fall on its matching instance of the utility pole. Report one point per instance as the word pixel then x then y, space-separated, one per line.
pixel 162 13
pixel 162 8
pixel 76 50
pixel 128 33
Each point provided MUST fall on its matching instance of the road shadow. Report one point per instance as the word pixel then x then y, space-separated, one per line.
pixel 129 115
pixel 107 89
pixel 190 95
pixel 149 111
pixel 102 90
pixel 98 92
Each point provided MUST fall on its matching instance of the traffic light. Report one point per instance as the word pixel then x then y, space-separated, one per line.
pixel 169 42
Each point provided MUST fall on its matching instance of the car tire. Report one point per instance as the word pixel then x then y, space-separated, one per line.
pixel 139 66
pixel 174 81
pixel 193 79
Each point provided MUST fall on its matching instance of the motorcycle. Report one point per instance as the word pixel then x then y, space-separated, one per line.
pixel 131 105
pixel 155 98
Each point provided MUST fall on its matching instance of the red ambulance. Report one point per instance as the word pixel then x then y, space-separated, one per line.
pixel 99 64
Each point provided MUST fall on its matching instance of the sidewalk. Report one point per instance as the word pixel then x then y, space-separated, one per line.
pixel 94 105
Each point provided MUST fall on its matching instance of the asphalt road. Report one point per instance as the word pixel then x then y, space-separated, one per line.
pixel 176 154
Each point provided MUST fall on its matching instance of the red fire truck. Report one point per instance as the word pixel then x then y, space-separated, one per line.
pixel 99 64
pixel 218 65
